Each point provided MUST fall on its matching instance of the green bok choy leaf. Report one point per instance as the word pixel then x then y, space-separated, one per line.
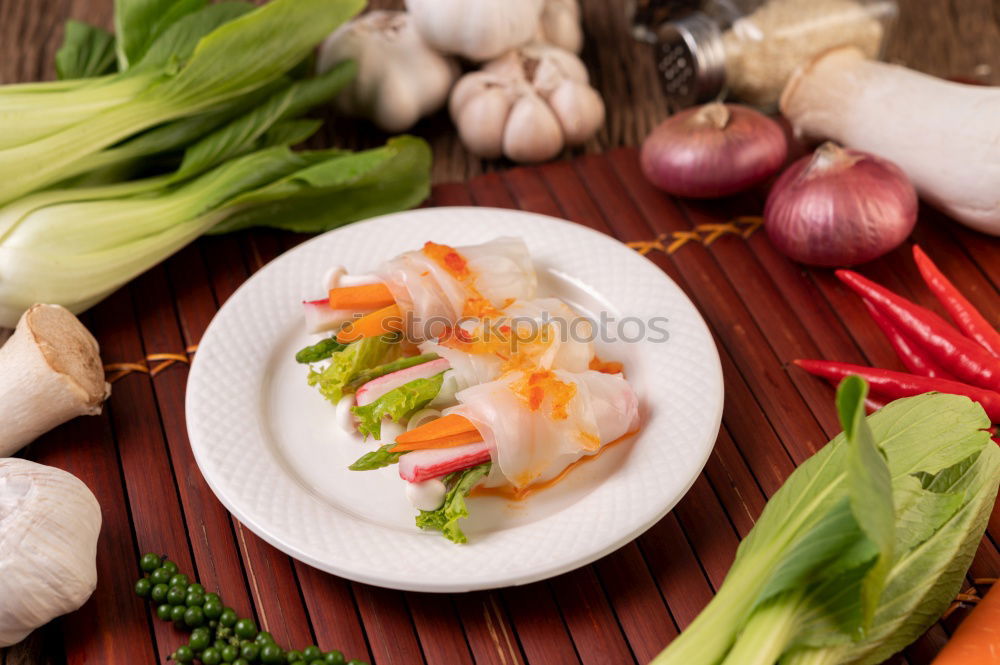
pixel 864 545
pixel 75 252
pixel 44 143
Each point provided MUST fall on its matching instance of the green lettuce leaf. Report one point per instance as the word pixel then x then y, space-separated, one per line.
pixel 376 459
pixel 87 51
pixel 445 519
pixel 397 404
pixel 319 351
pixel 344 365
pixel 388 368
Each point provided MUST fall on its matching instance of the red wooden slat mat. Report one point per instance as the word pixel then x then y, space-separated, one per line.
pixel 763 310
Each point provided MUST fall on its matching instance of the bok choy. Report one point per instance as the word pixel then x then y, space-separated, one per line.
pixel 43 139
pixel 863 547
pixel 75 252
pixel 181 123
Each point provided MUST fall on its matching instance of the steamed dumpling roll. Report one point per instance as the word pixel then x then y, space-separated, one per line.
pixel 544 333
pixel 538 422
pixel 437 284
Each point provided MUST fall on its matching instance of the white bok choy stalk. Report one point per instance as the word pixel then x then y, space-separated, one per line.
pixel 193 68
pixel 65 250
pixel 863 547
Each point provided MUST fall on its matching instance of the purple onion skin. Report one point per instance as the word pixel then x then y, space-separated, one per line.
pixel 713 151
pixel 839 208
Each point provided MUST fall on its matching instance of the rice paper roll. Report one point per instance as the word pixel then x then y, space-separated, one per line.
pixel 538 422
pixel 437 284
pixel 544 333
pixel 468 369
pixel 565 339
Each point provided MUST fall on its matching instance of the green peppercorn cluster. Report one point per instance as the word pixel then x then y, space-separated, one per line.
pixel 218 635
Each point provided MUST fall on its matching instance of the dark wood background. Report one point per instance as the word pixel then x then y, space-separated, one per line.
pixel 763 311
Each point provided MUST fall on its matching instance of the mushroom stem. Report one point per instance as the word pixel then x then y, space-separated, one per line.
pixel 50 372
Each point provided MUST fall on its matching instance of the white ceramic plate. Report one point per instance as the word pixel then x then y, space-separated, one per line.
pixel 269 448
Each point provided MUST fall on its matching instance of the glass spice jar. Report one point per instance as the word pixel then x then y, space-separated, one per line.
pixel 750 49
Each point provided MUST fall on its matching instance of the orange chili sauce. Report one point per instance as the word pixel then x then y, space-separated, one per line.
pixel 512 493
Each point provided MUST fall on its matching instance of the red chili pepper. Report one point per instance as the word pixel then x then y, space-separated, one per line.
pixel 915 359
pixel 966 316
pixel 899 384
pixel 957 354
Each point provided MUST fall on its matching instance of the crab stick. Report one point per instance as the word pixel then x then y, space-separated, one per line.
pixel 446 432
pixel 381 321
pixel 361 297
pixel 425 465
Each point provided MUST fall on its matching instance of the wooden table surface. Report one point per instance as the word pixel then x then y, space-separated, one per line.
pixel 763 310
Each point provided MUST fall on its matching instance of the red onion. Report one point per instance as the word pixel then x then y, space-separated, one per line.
pixel 713 150
pixel 840 207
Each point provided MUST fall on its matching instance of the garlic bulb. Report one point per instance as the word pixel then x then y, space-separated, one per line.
pixel 560 25
pixel 400 78
pixel 476 29
pixel 50 372
pixel 49 523
pixel 527 105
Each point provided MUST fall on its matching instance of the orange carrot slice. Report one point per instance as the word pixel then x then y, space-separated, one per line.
pixel 446 432
pixel 381 321
pixel 975 641
pixel 366 296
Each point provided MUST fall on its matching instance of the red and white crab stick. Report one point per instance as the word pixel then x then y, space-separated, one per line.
pixel 450 443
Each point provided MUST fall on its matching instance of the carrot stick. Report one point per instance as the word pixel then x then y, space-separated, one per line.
pixel 451 441
pixel 444 426
pixel 966 316
pixel 445 432
pixel 381 321
pixel 366 296
pixel 977 640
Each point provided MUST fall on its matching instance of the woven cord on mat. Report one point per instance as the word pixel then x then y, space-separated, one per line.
pixel 970 596
pixel 703 234
pixel 117 371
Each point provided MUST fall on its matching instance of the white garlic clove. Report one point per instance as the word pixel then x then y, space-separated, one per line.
pixel 49 525
pixel 560 25
pixel 400 78
pixel 476 29
pixel 397 106
pixel 580 111
pixel 544 66
pixel 480 107
pixel 532 133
